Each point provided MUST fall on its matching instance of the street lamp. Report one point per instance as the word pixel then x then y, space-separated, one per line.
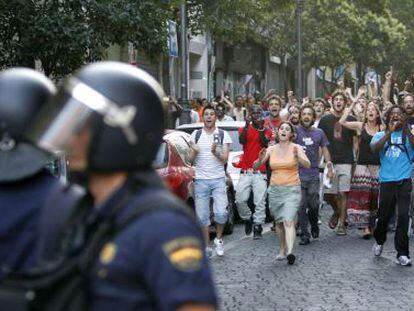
pixel 183 100
pixel 299 9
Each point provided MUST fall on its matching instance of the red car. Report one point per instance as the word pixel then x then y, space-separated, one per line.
pixel 173 166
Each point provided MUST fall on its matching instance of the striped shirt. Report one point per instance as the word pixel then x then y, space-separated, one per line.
pixel 207 165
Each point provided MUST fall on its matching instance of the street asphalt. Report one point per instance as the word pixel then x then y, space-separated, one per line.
pixel 331 273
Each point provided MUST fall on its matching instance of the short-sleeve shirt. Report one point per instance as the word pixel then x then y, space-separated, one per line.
pixel 252 148
pixel 340 139
pixel 310 139
pixel 395 162
pixel 240 114
pixel 207 165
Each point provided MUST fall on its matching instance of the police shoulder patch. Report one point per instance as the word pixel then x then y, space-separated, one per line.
pixel 108 253
pixel 184 253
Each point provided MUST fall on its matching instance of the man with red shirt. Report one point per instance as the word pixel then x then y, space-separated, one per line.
pixel 273 120
pixel 253 137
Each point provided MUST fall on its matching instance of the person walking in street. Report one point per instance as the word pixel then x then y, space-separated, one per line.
pixel 143 246
pixel 293 116
pixel 25 183
pixel 209 152
pixel 311 139
pixel 362 202
pixel 341 150
pixel 395 146
pixel 273 120
pixel 221 113
pixel 320 106
pixel 239 111
pixel 284 190
pixel 254 137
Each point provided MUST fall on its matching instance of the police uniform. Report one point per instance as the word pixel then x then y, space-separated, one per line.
pixel 20 207
pixel 156 263
pixel 24 183
pixel 157 260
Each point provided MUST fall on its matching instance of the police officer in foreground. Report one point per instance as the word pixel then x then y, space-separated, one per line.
pixel 24 182
pixel 109 118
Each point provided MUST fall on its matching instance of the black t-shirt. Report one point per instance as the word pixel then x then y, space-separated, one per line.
pixel 410 121
pixel 340 140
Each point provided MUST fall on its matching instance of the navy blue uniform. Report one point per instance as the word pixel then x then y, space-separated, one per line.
pixel 20 207
pixel 156 262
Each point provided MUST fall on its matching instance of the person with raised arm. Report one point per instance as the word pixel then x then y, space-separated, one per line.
pixel 363 196
pixel 284 190
pixel 395 146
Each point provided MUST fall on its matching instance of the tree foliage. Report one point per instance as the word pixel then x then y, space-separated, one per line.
pixel 63 35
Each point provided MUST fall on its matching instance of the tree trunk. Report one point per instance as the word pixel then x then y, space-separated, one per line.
pixel 359 73
pixel 284 76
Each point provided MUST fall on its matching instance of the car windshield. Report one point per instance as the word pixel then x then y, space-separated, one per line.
pixel 235 145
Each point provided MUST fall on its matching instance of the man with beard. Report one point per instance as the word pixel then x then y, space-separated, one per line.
pixel 395 147
pixel 273 120
pixel 408 104
pixel 239 111
pixel 221 113
pixel 254 137
pixel 293 115
pixel 340 147
pixel 311 139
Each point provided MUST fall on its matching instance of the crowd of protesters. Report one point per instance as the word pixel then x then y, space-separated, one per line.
pixel 352 152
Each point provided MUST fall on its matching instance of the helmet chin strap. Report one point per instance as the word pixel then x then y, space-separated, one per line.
pixel 113 114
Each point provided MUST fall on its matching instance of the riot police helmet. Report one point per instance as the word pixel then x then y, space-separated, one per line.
pixel 122 107
pixel 23 92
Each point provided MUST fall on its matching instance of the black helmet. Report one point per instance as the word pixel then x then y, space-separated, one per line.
pixel 23 92
pixel 122 105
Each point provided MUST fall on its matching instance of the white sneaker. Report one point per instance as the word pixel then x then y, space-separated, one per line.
pixel 404 261
pixel 219 246
pixel 377 249
pixel 280 257
pixel 209 252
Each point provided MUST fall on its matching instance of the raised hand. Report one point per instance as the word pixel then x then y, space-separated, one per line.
pixel 213 148
pixel 193 146
pixel 394 126
pixel 388 76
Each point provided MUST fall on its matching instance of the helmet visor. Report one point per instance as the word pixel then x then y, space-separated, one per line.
pixel 53 129
pixel 71 110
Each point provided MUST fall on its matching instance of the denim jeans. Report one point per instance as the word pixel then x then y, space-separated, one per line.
pixel 203 189
pixel 258 184
pixel 309 205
